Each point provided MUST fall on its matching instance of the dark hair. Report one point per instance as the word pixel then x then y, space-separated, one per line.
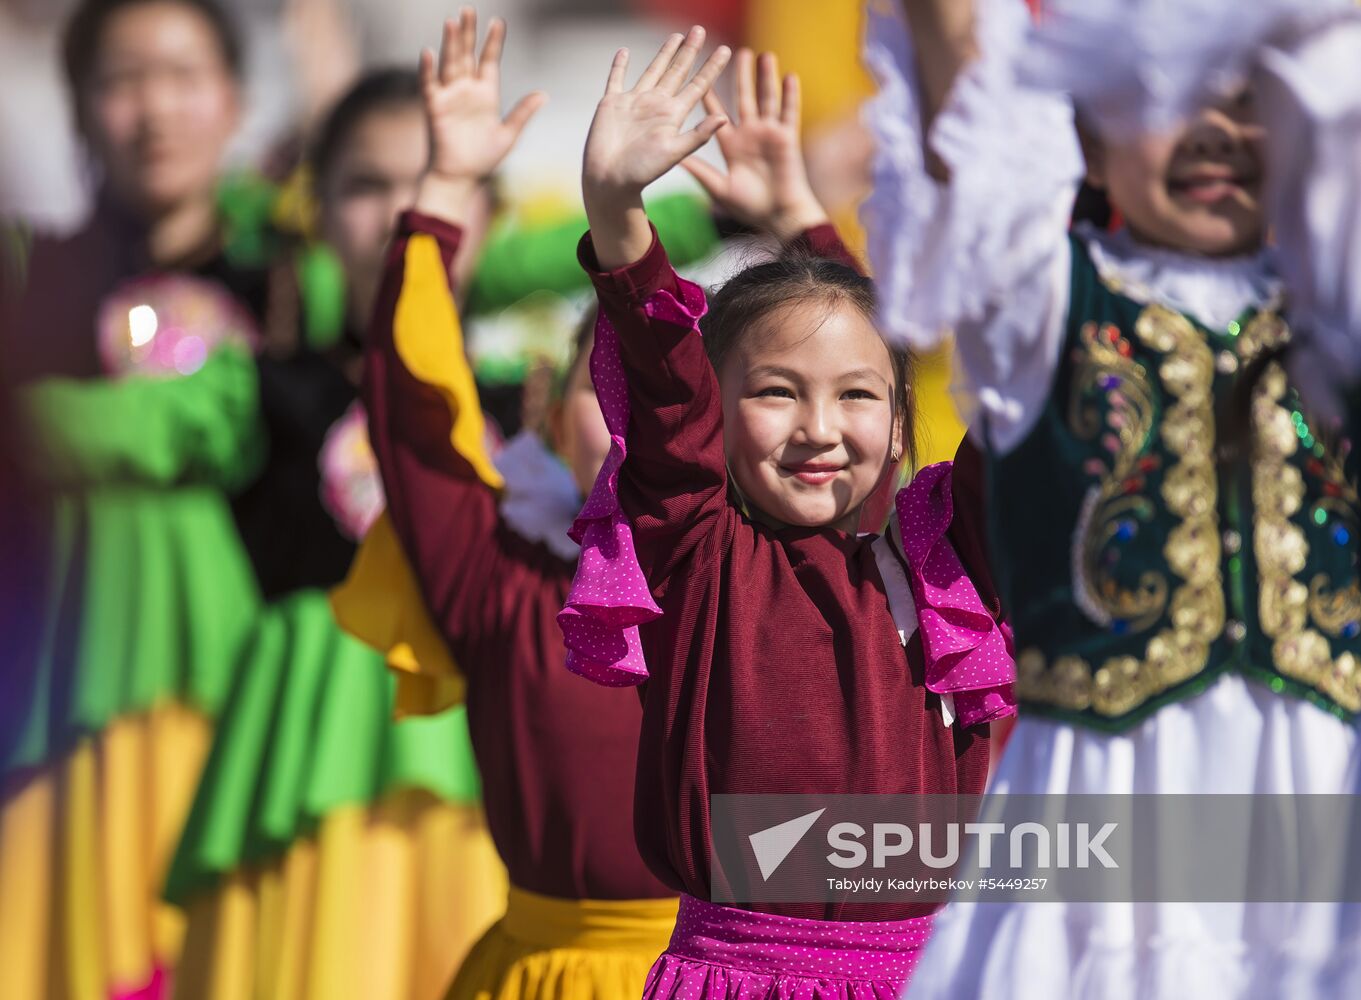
pixel 380 89
pixel 1093 205
pixel 545 386
pixel 85 30
pixel 799 276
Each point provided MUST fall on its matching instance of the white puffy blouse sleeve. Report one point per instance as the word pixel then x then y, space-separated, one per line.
pixel 1135 66
pixel 984 255
pixel 1307 83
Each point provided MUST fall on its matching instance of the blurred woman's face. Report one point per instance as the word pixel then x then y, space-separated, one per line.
pixel 161 107
pixel 372 179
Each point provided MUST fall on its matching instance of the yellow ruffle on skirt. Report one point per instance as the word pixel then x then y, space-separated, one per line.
pixel 84 845
pixel 379 603
pixel 382 904
pixel 567 949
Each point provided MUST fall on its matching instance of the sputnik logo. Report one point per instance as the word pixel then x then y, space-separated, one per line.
pixel 773 844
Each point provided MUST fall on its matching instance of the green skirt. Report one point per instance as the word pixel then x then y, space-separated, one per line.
pixel 308 728
pixel 150 598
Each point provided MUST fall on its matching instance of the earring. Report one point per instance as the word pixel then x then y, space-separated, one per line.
pixel 895 454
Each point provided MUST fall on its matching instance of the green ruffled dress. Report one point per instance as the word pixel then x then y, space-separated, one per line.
pixel 151 595
pixel 309 728
pixel 308 725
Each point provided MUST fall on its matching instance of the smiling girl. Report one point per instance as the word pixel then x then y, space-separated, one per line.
pixel 781 649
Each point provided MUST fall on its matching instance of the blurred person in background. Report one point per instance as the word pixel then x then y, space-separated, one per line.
pixel 129 344
pixel 482 539
pixel 332 851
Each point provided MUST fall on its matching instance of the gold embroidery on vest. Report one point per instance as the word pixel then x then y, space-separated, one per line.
pixel 1066 683
pixel 1334 610
pixel 1265 331
pixel 1123 419
pixel 1190 490
pixel 1285 603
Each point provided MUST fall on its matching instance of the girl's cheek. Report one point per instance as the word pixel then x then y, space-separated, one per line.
pixel 871 434
pixel 749 438
pixel 210 109
pixel 207 107
pixel 760 429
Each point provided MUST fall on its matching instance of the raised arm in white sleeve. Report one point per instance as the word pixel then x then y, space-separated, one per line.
pixel 1135 66
pixel 1307 83
pixel 983 254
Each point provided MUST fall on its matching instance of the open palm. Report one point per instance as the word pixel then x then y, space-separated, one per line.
pixel 462 95
pixel 636 135
pixel 766 184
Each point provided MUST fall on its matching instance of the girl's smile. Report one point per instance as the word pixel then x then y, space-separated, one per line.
pixel 809 413
pixel 814 473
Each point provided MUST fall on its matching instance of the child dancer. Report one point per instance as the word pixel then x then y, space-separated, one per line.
pixel 332 851
pixel 791 405
pixel 489 549
pixel 1185 623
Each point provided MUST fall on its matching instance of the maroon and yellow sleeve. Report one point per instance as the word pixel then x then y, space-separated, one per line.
pixel 415 588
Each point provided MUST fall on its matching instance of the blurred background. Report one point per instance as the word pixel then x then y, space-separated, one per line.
pixel 300 55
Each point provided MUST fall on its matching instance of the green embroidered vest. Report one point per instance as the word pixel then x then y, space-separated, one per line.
pixel 1137 568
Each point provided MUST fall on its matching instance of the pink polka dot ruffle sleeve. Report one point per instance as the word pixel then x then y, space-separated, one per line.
pixel 610 597
pixel 968 654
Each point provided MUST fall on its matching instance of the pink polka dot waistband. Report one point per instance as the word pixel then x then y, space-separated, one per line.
pixel 769 944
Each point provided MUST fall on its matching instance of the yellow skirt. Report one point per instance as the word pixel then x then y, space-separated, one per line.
pixel 84 845
pixel 567 949
pixel 382 904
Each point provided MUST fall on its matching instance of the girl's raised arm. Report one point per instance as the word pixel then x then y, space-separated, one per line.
pixel 636 136
pixel 425 420
pixel 945 40
pixel 1308 87
pixel 766 184
pixel 655 384
pixel 663 488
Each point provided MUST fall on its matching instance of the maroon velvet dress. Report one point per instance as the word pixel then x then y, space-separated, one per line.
pixel 556 752
pixel 775 665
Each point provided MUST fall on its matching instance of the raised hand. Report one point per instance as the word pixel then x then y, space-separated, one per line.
pixel 637 135
pixel 766 185
pixel 462 95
